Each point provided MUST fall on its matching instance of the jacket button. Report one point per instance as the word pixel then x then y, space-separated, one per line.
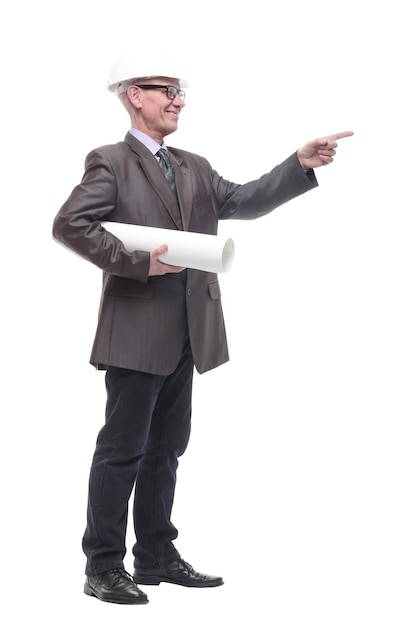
pixel 188 291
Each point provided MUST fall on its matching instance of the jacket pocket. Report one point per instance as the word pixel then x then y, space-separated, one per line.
pixel 214 290
pixel 201 202
pixel 127 288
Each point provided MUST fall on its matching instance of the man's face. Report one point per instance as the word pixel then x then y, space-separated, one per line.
pixel 157 114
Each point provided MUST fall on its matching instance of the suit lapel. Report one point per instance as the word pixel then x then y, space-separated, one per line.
pixel 155 177
pixel 184 189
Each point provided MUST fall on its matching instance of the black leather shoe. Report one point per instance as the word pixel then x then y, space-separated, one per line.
pixel 179 573
pixel 117 586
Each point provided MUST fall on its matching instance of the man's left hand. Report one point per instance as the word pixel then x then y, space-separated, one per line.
pixel 320 151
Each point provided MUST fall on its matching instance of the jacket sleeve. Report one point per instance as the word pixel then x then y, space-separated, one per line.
pixel 260 197
pixel 77 224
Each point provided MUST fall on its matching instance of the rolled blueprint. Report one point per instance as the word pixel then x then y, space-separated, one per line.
pixel 209 253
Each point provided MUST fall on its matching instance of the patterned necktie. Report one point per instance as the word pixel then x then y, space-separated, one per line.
pixel 166 166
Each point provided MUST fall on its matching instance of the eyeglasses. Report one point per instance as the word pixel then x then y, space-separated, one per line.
pixel 172 92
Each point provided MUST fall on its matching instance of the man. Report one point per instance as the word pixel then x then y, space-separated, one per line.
pixel 156 321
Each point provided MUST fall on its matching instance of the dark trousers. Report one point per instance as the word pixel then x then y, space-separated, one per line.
pixel 147 427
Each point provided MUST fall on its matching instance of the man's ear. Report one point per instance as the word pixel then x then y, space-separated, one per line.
pixel 133 93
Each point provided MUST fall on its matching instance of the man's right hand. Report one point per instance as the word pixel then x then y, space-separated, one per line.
pixel 157 267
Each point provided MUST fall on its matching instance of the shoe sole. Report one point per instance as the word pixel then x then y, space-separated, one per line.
pixel 143 579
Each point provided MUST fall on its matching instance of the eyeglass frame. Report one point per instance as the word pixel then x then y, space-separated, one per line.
pixel 169 88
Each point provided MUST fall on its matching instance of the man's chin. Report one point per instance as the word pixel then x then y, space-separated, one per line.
pixel 171 128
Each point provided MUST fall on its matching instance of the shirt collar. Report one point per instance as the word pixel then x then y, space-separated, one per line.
pixel 152 145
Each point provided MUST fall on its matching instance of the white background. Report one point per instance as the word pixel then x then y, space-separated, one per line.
pixel 299 485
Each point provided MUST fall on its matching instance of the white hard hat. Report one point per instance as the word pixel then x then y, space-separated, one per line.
pixel 133 65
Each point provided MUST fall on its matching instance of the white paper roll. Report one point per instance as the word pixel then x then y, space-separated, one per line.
pixel 209 253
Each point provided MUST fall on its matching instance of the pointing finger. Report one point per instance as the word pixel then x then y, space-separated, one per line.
pixel 347 133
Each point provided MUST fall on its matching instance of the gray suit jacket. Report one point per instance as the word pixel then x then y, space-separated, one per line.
pixel 143 321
